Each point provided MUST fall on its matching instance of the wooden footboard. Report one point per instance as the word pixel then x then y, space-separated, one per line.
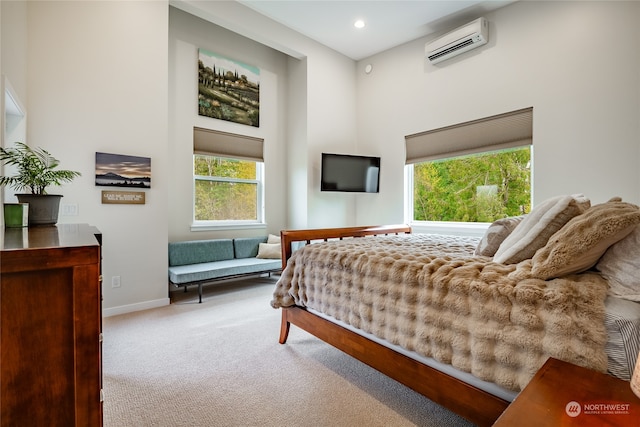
pixel 287 237
pixel 476 405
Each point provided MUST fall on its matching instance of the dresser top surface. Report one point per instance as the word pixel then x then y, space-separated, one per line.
pixel 60 235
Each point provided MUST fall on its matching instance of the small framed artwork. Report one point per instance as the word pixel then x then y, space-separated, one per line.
pixel 120 170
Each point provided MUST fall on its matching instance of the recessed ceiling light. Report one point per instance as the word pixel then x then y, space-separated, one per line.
pixel 359 23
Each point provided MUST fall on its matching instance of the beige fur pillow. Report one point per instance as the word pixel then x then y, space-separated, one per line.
pixel 269 250
pixel 495 235
pixel 540 224
pixel 579 244
pixel 620 265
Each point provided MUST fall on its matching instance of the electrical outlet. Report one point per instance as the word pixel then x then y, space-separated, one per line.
pixel 70 209
pixel 115 281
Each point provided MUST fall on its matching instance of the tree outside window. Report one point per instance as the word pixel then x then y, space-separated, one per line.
pixel 228 190
pixel 476 188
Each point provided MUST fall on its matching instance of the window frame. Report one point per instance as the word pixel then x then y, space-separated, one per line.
pixel 204 225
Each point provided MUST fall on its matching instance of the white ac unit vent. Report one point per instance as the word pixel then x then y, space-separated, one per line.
pixel 467 37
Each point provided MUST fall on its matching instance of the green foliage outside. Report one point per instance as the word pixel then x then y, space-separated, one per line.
pixel 476 188
pixel 233 195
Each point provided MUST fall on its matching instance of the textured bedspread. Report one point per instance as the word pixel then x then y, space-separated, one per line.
pixel 429 294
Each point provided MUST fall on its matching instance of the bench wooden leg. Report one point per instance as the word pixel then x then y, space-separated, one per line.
pixel 200 293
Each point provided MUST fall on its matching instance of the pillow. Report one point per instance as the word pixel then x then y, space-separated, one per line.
pixel 272 238
pixel 540 224
pixel 495 234
pixel 580 243
pixel 269 250
pixel 620 265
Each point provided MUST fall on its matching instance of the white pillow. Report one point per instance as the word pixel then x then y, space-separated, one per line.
pixel 538 226
pixel 269 250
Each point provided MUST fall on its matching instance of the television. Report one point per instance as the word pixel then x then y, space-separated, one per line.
pixel 350 173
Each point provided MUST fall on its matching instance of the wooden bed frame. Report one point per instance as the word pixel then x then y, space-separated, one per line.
pixel 470 402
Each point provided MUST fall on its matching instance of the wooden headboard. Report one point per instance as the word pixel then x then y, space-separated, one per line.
pixel 289 236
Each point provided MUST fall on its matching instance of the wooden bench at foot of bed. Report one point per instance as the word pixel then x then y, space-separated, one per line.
pixel 470 402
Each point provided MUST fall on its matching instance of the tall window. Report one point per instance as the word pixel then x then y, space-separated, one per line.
pixel 227 189
pixel 228 173
pixel 476 171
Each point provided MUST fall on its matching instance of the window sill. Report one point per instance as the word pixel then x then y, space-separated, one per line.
pixel 472 229
pixel 227 226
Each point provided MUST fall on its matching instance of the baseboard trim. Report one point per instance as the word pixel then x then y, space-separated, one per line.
pixel 130 308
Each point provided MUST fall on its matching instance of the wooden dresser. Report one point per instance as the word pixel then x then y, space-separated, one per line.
pixel 50 325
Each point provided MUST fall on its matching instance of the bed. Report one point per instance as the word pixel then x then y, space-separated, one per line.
pixel 439 315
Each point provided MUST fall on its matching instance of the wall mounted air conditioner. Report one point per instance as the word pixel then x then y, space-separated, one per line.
pixel 467 37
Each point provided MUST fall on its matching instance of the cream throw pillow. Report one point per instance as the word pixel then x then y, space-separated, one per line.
pixel 269 250
pixel 495 235
pixel 620 265
pixel 540 224
pixel 580 243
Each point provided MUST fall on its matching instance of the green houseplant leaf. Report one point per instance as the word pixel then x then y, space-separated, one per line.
pixel 36 169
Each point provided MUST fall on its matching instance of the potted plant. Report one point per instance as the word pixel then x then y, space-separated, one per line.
pixel 35 171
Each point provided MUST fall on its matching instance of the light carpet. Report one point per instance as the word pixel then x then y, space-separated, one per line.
pixel 219 364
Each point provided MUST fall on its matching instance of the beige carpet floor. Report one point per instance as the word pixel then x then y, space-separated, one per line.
pixel 219 364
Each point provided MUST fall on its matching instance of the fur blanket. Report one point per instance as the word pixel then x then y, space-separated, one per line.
pixel 429 294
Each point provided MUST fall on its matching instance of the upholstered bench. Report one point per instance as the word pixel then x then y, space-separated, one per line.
pixel 198 262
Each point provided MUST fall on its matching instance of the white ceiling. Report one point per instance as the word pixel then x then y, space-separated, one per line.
pixel 388 23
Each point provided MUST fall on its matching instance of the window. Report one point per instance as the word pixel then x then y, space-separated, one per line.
pixel 227 189
pixel 228 174
pixel 476 188
pixel 476 171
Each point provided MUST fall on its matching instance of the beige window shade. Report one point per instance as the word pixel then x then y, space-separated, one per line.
pixel 224 144
pixel 509 130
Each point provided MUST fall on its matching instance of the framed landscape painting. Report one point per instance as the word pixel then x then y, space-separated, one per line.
pixel 228 90
pixel 119 170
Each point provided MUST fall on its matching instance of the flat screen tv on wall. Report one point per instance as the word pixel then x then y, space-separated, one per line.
pixel 350 173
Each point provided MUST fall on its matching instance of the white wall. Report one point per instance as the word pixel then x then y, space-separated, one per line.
pixel 97 81
pixel 14 45
pixel 576 63
pixel 105 76
pixel 13 63
pixel 331 128
pixel 187 33
pixel 326 79
pixel 297 188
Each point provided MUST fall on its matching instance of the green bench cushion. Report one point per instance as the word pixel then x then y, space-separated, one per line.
pixel 247 247
pixel 200 251
pixel 221 269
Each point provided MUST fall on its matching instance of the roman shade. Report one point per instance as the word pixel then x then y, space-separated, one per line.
pixel 223 144
pixel 508 130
